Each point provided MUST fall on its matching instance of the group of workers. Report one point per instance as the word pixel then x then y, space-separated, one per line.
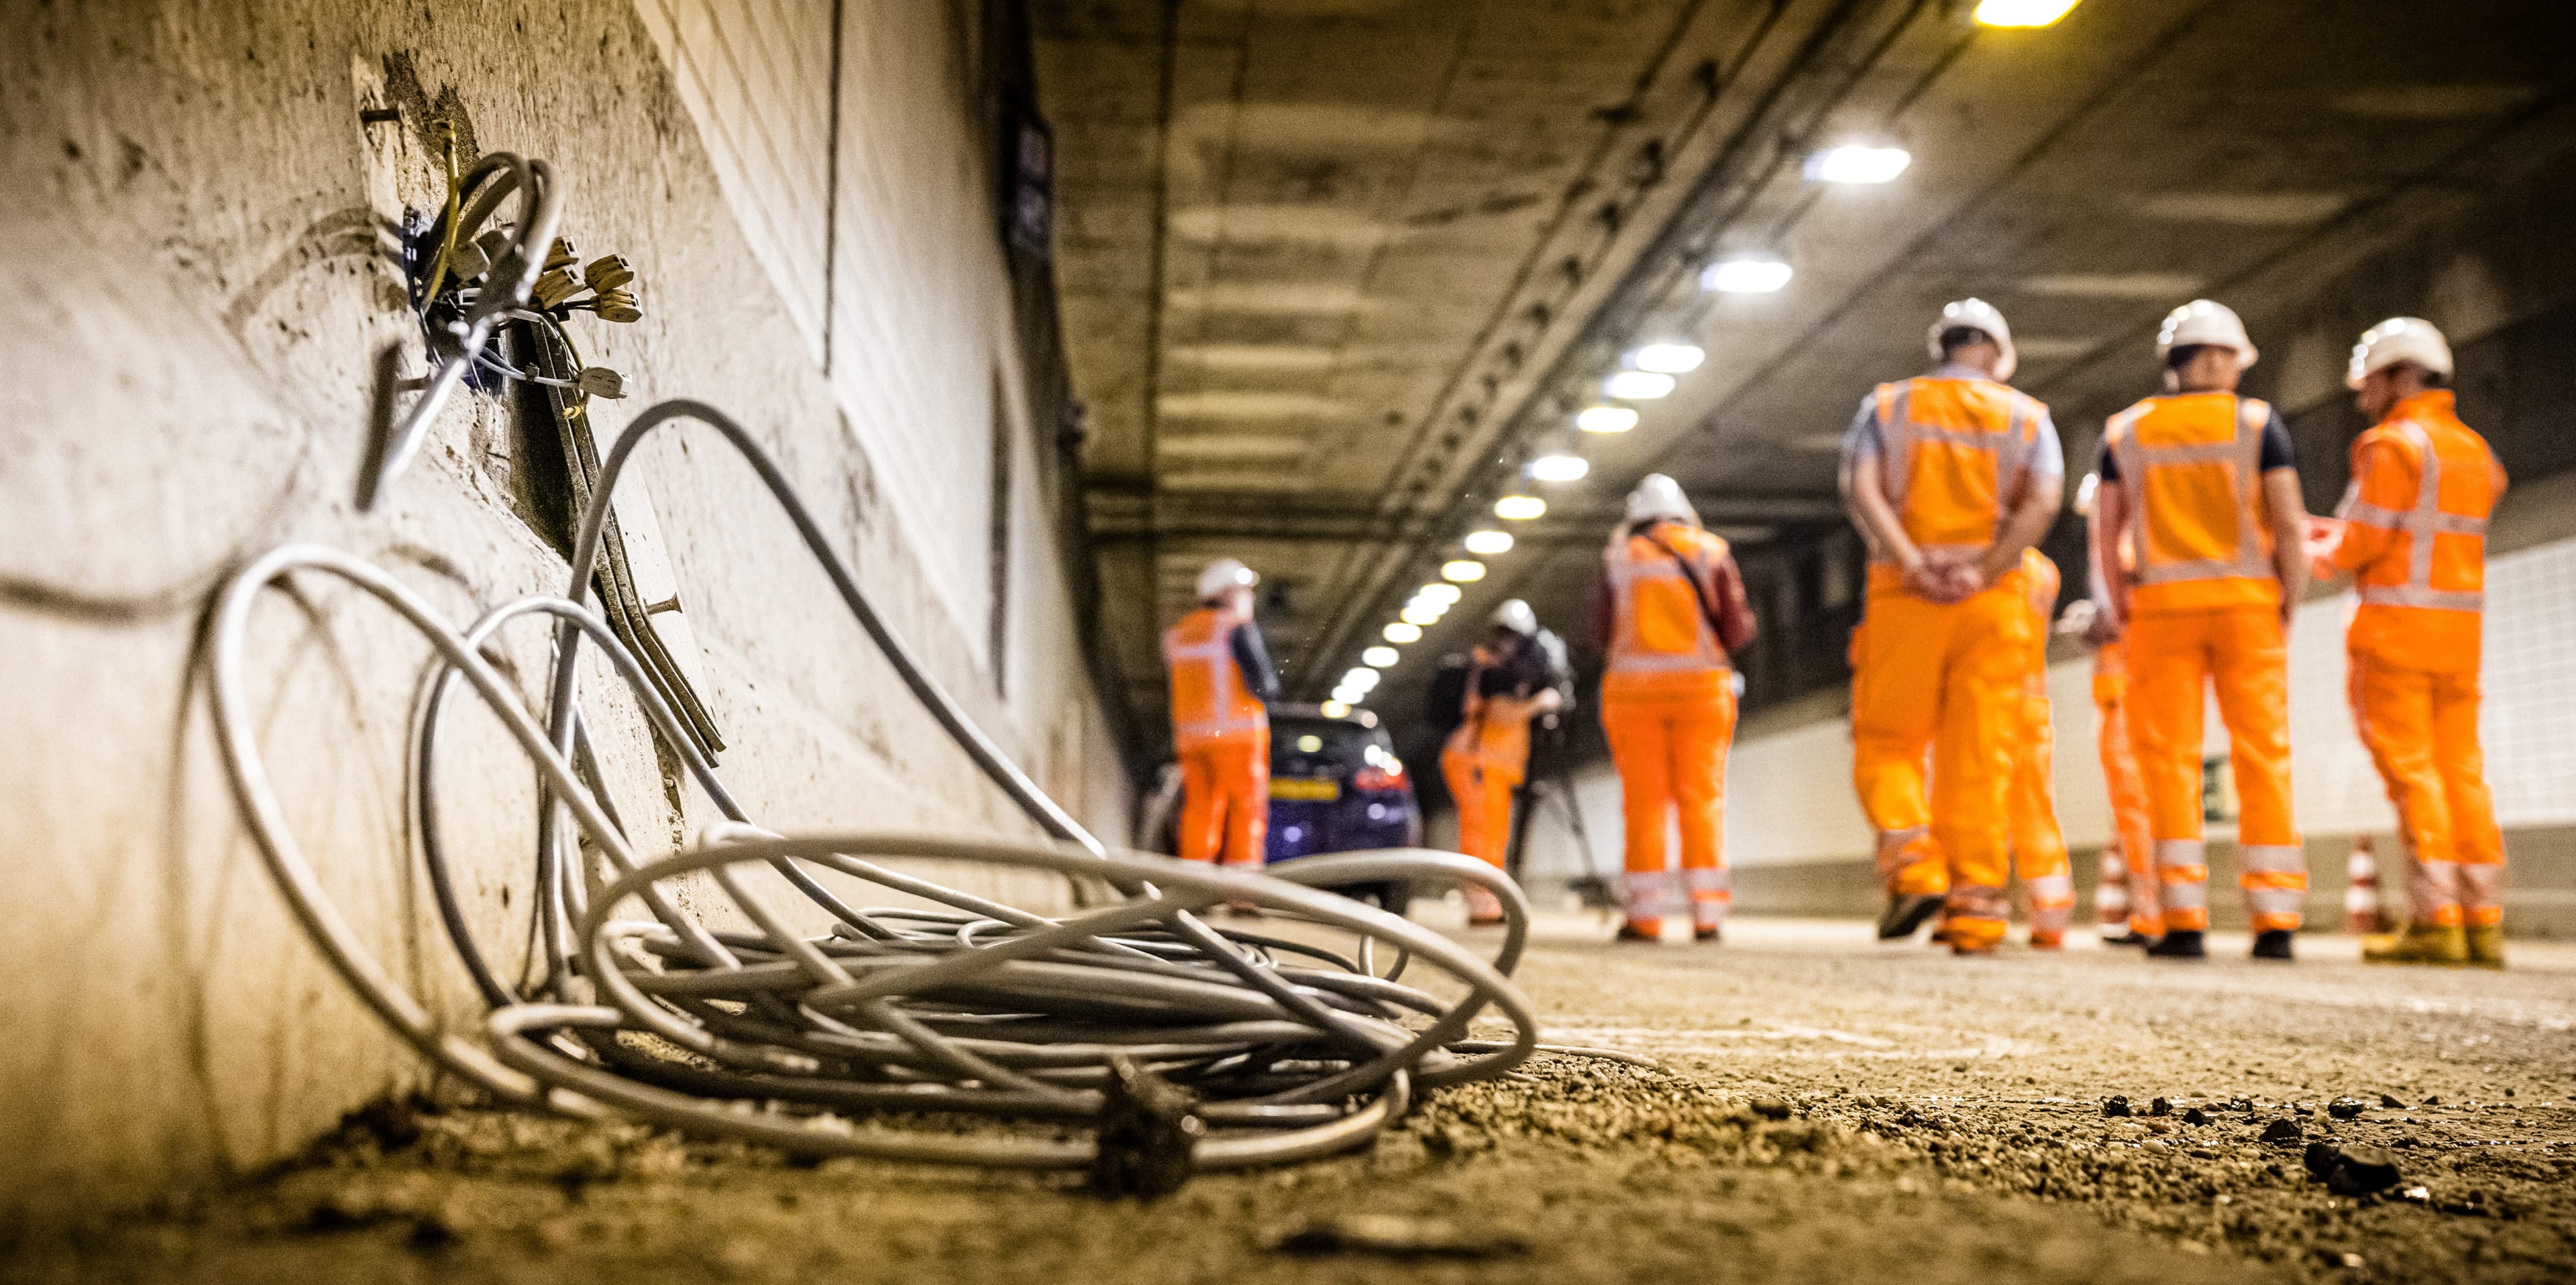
pixel 2202 550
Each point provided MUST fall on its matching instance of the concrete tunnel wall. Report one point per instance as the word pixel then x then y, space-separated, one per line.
pixel 190 205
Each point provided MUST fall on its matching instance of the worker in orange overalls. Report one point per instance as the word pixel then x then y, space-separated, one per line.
pixel 2205 483
pixel 2127 911
pixel 1515 675
pixel 1222 682
pixel 2412 532
pixel 1670 611
pixel 1949 476
pixel 2039 843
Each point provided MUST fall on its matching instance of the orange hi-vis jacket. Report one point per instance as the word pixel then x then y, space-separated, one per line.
pixel 1956 455
pixel 2191 466
pixel 1661 639
pixel 2414 534
pixel 1209 699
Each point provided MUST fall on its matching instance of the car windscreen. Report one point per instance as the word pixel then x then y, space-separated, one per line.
pixel 1320 747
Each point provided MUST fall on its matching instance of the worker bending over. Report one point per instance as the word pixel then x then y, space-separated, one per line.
pixel 2039 843
pixel 2205 484
pixel 1949 477
pixel 2127 911
pixel 1515 675
pixel 2413 535
pixel 1670 612
pixel 1222 683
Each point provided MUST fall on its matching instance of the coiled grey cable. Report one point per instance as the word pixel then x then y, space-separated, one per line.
pixel 784 1036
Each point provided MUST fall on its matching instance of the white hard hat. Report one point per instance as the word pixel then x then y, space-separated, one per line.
pixel 1515 615
pixel 1976 314
pixel 2084 494
pixel 2399 339
pixel 1658 496
pixel 2204 321
pixel 1224 574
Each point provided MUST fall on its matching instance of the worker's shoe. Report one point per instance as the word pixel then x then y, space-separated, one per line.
pixel 2130 938
pixel 1706 934
pixel 2486 946
pixel 2180 943
pixel 2434 944
pixel 2273 943
pixel 1631 932
pixel 2043 939
pixel 1905 914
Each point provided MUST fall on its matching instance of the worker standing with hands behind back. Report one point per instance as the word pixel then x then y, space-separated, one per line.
pixel 1670 612
pixel 2205 484
pixel 1515 675
pixel 1949 476
pixel 1222 683
pixel 2413 533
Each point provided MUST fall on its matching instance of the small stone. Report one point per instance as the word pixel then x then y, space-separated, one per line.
pixel 2391 1103
pixel 2115 1106
pixel 2346 1108
pixel 2363 1169
pixel 2195 1116
pixel 2282 1130
pixel 2321 1158
pixel 2432 1099
pixel 2160 1107
pixel 2417 1195
pixel 1771 1108
pixel 1397 1236
pixel 2159 1126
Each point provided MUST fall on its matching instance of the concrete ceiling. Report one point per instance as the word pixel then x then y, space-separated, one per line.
pixel 1329 267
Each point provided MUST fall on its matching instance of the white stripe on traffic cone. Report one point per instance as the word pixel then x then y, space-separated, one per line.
pixel 2361 909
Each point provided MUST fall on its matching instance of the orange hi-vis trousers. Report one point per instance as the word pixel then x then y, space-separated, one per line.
pixel 1937 703
pixel 2134 833
pixel 1669 744
pixel 2038 842
pixel 1481 786
pixel 2241 652
pixel 1225 804
pixel 2422 730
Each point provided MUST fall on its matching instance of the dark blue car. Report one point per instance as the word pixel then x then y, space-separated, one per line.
pixel 1337 786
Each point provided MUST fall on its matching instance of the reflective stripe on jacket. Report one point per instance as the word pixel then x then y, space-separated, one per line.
pixel 1956 453
pixel 2190 465
pixel 1209 698
pixel 2415 534
pixel 1657 623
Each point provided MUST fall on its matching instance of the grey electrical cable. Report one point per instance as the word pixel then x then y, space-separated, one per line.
pixel 1293 1049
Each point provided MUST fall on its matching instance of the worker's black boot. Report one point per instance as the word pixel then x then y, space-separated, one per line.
pixel 2273 943
pixel 1905 914
pixel 2180 943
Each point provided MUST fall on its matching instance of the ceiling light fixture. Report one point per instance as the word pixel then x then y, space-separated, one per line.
pixel 1463 570
pixel 1381 657
pixel 1745 276
pixel 1360 678
pixel 1858 164
pixel 1402 631
pixel 1519 508
pixel 1488 542
pixel 1638 385
pixel 1439 595
pixel 2022 13
pixel 1559 466
pixel 1668 358
pixel 1606 419
pixel 1418 615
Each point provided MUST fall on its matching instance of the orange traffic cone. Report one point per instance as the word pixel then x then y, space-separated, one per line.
pixel 2361 908
pixel 2111 892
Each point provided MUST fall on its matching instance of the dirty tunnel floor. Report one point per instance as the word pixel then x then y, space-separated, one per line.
pixel 1826 1109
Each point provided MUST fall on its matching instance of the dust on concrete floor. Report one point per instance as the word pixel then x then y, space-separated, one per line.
pixel 1828 1110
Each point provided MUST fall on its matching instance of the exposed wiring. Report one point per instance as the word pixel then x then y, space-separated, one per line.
pixel 778 1034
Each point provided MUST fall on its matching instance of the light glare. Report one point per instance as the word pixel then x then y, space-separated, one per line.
pixel 1638 385
pixel 1559 468
pixel 1606 419
pixel 1668 358
pixel 1463 570
pixel 1489 542
pixel 2022 13
pixel 1381 657
pixel 1746 276
pixel 1519 508
pixel 1856 164
pixel 1337 708
pixel 1417 614
pixel 1402 631
pixel 1441 595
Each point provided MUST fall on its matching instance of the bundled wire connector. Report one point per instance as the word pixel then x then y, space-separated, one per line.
pixel 1183 1044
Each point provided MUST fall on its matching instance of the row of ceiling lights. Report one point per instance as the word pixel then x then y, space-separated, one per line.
pixel 1646 373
